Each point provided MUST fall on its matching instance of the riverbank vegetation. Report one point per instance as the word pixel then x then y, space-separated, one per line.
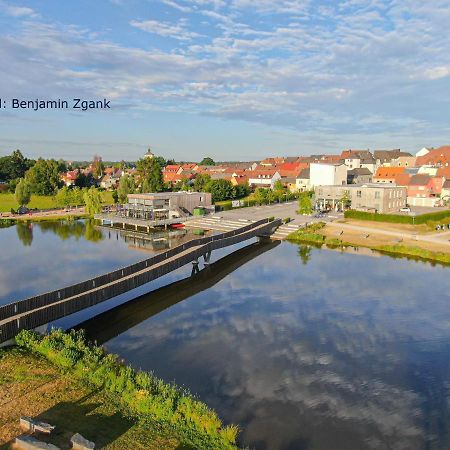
pixel 430 218
pixel 144 398
pixel 319 235
pixel 46 202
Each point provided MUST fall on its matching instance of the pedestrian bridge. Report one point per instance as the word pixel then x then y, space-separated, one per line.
pixel 45 308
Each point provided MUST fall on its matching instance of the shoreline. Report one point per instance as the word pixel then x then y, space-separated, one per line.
pixel 62 379
pixel 326 235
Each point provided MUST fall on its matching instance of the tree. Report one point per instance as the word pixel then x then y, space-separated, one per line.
pixel 126 186
pixel 207 161
pixel 201 182
pixel 221 190
pixel 77 196
pixel 23 193
pixel 279 190
pixel 150 175
pixel 242 190
pixel 14 166
pixel 115 196
pixel 97 166
pixel 260 195
pixel 345 199
pixel 44 177
pixel 305 203
pixel 64 197
pixel 93 200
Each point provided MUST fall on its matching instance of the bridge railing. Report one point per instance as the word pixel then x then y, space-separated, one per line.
pixel 91 286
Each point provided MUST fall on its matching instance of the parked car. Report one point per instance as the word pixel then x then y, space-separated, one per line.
pixel 405 209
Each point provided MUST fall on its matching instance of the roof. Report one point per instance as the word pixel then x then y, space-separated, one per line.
pixel 402 179
pixel 436 156
pixel 446 184
pixel 421 179
pixel 388 172
pixel 304 174
pixel 360 171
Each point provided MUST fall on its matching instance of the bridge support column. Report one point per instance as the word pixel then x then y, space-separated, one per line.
pixel 206 258
pixel 195 268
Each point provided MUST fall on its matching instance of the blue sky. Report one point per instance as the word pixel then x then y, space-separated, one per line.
pixel 233 79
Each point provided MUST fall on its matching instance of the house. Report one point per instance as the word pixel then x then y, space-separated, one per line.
pixel 359 175
pixel 385 157
pixel 424 190
pixel 386 174
pixel 302 182
pixel 355 159
pixel 111 180
pixel 263 178
pixel 445 192
pixel 428 170
pixel 435 157
pixel 423 151
pixel 289 183
pixel 325 174
pixel 291 169
pixel 404 161
pixel 69 177
pixel 381 198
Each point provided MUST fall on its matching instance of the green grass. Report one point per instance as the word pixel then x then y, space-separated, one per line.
pixel 308 234
pixel 415 252
pixel 31 386
pixel 7 201
pixel 140 394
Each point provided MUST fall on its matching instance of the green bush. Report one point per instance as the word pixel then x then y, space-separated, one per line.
pixel 144 394
pixel 397 218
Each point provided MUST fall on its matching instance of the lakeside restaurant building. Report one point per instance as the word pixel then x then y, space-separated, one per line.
pixel 381 198
pixel 165 205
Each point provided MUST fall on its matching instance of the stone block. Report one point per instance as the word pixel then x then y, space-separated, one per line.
pixel 30 443
pixel 80 443
pixel 30 425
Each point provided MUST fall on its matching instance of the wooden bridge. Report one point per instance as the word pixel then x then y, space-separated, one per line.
pixel 42 309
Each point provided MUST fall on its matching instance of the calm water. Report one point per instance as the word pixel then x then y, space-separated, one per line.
pixel 303 348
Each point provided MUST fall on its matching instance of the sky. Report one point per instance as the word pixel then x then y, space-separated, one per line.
pixel 230 79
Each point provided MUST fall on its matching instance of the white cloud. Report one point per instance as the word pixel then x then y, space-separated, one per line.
pixel 175 31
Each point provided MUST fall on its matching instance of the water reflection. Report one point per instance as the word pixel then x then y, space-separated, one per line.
pixel 25 233
pixel 116 321
pixel 309 348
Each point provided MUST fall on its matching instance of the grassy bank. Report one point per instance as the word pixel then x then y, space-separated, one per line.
pixel 315 234
pixel 47 218
pixel 7 201
pixel 309 234
pixel 147 403
pixel 31 386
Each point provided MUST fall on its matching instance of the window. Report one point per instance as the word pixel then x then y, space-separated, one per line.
pixel 377 194
pixel 358 194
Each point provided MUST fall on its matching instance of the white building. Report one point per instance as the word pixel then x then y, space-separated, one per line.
pixel 327 174
pixel 264 178
pixel 423 151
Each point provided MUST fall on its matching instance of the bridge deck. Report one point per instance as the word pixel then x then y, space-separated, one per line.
pixel 45 308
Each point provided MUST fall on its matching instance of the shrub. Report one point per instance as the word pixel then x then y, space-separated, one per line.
pixel 141 392
pixel 397 218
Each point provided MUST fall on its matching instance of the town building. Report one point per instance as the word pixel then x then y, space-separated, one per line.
pixel 302 182
pixel 380 198
pixel 359 176
pixel 165 205
pixel 385 174
pixel 324 174
pixel 424 190
pixel 264 178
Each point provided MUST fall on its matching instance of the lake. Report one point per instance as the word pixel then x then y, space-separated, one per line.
pixel 303 348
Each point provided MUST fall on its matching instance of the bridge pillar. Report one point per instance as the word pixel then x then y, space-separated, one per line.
pixel 206 258
pixel 195 268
